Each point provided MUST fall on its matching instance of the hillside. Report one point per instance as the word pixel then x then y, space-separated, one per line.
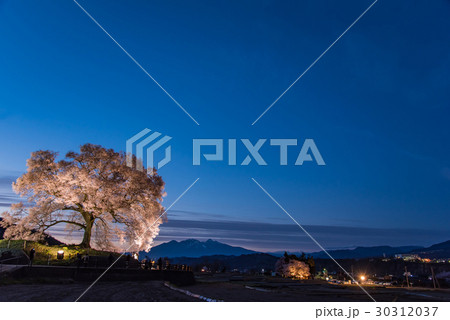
pixel 245 262
pixel 436 251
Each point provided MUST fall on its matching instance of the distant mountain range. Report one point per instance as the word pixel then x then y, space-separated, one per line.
pixel 199 254
pixel 193 248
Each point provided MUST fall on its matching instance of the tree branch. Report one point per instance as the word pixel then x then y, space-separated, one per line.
pixel 64 221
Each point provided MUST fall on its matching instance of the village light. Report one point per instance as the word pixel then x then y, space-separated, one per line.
pixel 60 254
pixel 363 278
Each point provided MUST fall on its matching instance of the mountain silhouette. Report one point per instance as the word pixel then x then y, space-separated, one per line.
pixel 193 248
pixel 436 251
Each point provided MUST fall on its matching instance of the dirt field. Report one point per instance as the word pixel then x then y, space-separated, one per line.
pixel 219 288
pixel 311 291
pixel 153 291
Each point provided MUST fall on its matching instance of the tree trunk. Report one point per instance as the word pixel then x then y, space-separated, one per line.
pixel 86 243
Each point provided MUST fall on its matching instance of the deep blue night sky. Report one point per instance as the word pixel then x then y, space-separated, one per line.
pixel 377 106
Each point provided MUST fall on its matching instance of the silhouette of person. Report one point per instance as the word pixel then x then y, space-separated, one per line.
pixel 32 252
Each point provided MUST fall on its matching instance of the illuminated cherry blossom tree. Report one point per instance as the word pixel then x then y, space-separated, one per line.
pixel 291 267
pixel 93 191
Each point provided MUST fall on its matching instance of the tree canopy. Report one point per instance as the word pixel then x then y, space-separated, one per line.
pixel 93 191
pixel 291 266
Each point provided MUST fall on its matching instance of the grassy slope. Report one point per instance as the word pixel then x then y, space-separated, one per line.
pixel 45 253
